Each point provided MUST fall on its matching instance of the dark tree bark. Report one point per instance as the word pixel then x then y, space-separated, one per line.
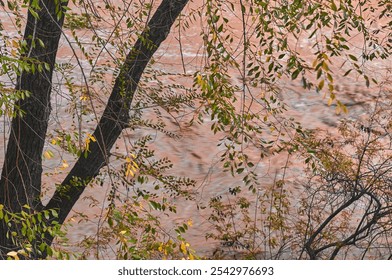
pixel 20 182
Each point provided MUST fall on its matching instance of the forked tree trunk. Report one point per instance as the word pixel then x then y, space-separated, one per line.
pixel 21 179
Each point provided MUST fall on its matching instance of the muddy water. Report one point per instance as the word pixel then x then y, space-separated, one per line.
pixel 195 154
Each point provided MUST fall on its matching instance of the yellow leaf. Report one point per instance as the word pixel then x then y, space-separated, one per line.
pixel 65 164
pixel 183 248
pixel 83 98
pixel 129 172
pixel 88 140
pixel 15 44
pixel 331 88
pixel 214 37
pixel 13 254
pixel 325 66
pixel 314 63
pixel 321 85
pixel 199 79
pixel 131 166
pixel 345 110
pixel 48 154
pixel 92 138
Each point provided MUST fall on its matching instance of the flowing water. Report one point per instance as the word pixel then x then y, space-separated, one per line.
pixel 195 154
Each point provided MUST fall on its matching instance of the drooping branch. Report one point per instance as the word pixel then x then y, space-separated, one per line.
pixel 116 115
pixel 308 245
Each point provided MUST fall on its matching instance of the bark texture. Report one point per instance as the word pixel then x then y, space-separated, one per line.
pixel 20 182
pixel 21 177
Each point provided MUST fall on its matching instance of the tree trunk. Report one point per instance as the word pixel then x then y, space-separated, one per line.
pixel 20 182
pixel 116 115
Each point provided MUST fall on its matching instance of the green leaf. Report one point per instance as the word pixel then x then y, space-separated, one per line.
pixel 33 13
pixel 347 72
pixel 333 6
pixel 295 74
pixel 367 81
pixel 54 213
pixel 110 221
pixel 41 43
pixel 353 57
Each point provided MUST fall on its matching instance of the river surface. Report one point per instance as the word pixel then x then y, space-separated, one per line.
pixel 195 153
